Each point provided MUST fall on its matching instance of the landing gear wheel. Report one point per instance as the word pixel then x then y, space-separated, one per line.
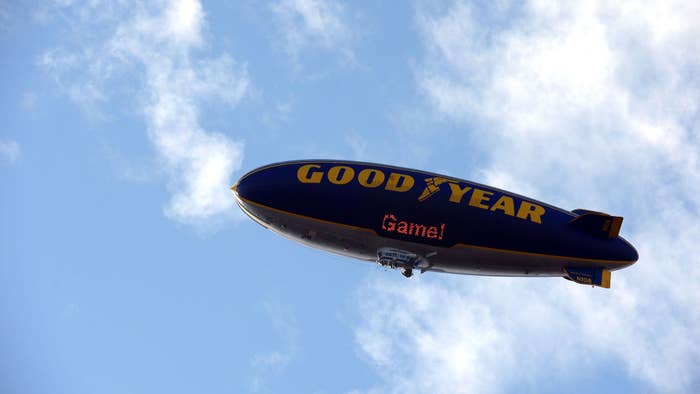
pixel 407 272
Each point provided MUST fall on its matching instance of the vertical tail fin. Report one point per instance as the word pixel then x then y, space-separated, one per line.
pixel 589 276
pixel 598 224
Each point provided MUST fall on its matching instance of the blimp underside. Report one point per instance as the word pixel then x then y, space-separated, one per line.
pixel 410 220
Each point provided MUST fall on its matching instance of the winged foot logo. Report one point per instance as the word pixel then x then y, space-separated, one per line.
pixel 432 186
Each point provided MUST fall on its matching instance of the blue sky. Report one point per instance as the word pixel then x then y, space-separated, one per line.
pixel 125 265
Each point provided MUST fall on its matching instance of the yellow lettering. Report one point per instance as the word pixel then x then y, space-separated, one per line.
pixel 504 204
pixel 364 177
pixel 533 211
pixel 479 197
pixel 457 193
pixel 303 174
pixel 399 182
pixel 335 177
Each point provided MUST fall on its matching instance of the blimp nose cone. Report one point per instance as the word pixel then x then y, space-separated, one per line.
pixel 243 189
pixel 263 187
pixel 234 190
pixel 246 191
pixel 237 196
pixel 251 186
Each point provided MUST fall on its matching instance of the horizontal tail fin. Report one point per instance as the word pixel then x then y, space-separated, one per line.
pixel 597 223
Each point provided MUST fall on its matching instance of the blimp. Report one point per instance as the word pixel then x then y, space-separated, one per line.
pixel 419 221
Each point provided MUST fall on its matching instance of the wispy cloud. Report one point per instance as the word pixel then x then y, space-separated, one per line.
pixel 9 151
pixel 358 145
pixel 588 105
pixel 155 45
pixel 313 24
pixel 274 362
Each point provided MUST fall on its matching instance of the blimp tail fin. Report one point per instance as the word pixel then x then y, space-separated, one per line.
pixel 597 223
pixel 589 276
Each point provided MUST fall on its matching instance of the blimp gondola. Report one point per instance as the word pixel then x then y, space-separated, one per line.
pixel 419 221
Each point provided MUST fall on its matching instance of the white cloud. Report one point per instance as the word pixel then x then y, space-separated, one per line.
pixel 313 24
pixel 588 105
pixel 154 45
pixel 505 180
pixel 9 151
